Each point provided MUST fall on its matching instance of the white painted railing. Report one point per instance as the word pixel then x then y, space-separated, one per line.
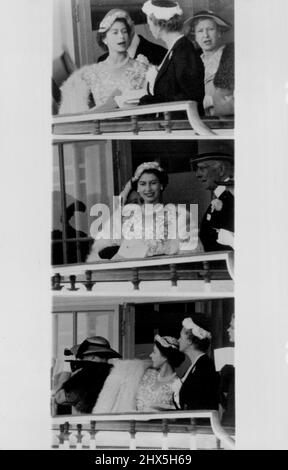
pixel 91 124
pixel 177 277
pixel 136 430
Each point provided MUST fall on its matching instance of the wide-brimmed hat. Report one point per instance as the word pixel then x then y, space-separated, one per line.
pixel 112 16
pixel 209 15
pixel 94 345
pixel 202 157
pixel 162 9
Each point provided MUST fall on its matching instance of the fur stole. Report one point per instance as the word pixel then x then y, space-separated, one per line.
pixel 118 394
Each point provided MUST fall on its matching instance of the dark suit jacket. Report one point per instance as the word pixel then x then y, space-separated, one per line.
pixel 219 219
pixel 154 53
pixel 180 78
pixel 200 389
pixel 227 394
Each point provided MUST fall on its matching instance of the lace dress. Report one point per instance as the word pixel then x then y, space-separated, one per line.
pixel 154 393
pixel 169 231
pixel 166 231
pixel 101 80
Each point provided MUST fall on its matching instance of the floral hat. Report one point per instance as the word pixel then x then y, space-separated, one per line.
pixel 112 16
pixel 144 167
pixel 167 341
pixel 162 9
pixel 189 324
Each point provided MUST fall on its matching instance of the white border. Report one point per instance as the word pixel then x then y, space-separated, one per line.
pixel 261 216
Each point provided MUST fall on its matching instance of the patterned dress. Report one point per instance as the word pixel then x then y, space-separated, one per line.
pixel 154 393
pixel 101 80
pixel 166 230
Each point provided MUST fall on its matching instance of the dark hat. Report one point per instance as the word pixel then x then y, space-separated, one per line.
pixel 94 345
pixel 210 15
pixel 202 157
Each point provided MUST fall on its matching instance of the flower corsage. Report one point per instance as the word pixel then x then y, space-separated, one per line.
pixel 216 205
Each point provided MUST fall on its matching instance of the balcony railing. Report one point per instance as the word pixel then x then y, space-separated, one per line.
pixel 139 121
pixel 163 430
pixel 185 276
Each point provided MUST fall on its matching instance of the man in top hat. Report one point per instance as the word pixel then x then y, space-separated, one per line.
pixel 215 171
pixel 89 372
pixel 139 45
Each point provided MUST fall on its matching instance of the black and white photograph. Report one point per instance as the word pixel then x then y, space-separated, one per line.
pixel 142 242
pixel 144 261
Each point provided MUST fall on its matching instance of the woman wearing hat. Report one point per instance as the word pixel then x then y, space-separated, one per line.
pixel 114 76
pixel 207 29
pixel 136 385
pixel 148 228
pixel 180 76
pixel 155 391
pixel 90 369
pixel 198 388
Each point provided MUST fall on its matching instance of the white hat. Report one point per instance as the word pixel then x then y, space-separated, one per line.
pixel 162 9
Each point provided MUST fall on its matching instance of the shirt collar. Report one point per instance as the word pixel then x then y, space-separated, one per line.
pixel 220 189
pixel 214 56
pixel 133 46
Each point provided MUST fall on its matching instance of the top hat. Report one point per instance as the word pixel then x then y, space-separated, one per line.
pixel 217 156
pixel 209 15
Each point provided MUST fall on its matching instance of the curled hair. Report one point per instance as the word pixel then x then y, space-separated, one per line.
pixel 173 355
pixel 101 36
pixel 161 175
pixel 200 344
pixel 174 24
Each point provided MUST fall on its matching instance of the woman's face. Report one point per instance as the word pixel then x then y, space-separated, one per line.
pixel 184 343
pixel 157 358
pixel 207 35
pixel 117 37
pixel 149 188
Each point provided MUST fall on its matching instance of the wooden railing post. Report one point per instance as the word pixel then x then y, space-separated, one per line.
pixel 193 432
pixel 79 436
pixel 56 280
pixel 88 283
pixel 165 431
pixel 66 435
pixel 135 278
pixel 93 433
pixel 167 122
pixel 135 126
pixel 97 130
pixel 61 436
pixel 206 276
pixel 72 280
pixel 173 274
pixel 132 445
